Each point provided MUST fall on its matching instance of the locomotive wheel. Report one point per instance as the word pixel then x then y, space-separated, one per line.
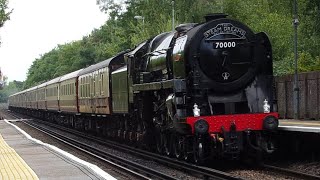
pixel 167 144
pixel 187 149
pixel 198 152
pixel 178 146
pixel 159 142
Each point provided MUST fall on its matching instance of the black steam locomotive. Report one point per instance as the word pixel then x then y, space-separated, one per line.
pixel 202 91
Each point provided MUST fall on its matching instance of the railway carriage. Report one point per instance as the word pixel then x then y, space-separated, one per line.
pixel 41 96
pixel 31 98
pixel 94 86
pixel 68 95
pixel 52 95
pixel 22 99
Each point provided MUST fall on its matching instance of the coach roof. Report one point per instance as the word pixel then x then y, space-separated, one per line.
pixel 70 75
pixel 55 80
pixel 100 65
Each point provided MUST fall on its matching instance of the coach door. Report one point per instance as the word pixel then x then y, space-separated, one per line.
pixel 92 92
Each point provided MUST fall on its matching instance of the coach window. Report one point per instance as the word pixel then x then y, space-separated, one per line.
pixel 80 87
pixel 87 89
pixel 102 79
pixel 94 87
pixel 81 90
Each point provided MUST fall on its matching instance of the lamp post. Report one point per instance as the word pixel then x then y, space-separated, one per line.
pixel 172 3
pixel 296 86
pixel 140 18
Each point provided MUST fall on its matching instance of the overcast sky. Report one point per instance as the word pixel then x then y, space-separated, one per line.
pixel 37 26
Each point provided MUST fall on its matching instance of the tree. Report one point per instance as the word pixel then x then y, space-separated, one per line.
pixel 4 12
pixel 11 88
pixel 123 32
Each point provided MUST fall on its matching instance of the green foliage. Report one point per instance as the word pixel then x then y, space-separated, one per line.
pixel 122 32
pixel 11 88
pixel 4 13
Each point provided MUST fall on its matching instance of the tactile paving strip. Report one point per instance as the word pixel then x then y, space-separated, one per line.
pixel 12 166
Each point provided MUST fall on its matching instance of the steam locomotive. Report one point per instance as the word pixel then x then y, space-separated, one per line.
pixel 202 91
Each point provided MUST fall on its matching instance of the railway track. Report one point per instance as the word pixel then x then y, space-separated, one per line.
pixel 289 172
pixel 199 171
pixel 205 173
pixel 135 169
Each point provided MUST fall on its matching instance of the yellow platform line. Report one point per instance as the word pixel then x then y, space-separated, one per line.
pixel 12 166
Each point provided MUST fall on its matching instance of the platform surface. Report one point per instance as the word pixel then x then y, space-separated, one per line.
pixel 22 158
pixel 299 125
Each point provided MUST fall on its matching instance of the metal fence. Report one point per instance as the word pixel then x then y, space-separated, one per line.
pixel 309 93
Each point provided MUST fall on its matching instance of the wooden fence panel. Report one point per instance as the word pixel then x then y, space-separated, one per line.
pixel 309 93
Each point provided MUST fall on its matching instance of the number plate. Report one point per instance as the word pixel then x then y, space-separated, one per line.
pixel 224 44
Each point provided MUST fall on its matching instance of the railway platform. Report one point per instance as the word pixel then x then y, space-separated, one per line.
pixel 299 125
pixel 22 157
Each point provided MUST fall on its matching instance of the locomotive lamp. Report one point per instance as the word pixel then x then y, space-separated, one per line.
pixel 270 123
pixel 196 110
pixel 266 106
pixel 201 126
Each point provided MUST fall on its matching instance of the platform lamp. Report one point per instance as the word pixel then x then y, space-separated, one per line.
pixel 140 18
pixel 295 86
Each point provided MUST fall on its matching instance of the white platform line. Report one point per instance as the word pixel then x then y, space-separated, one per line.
pixel 300 128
